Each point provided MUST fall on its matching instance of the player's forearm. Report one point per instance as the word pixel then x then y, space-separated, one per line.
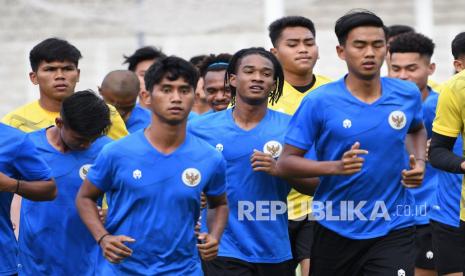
pixel 416 143
pixel 306 186
pixel 296 166
pixel 216 219
pixel 32 190
pixel 441 155
pixel 88 212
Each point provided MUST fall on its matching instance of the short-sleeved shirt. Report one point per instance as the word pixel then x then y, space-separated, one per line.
pixel 155 198
pixel 450 116
pixel 32 117
pixel 19 159
pixel 372 202
pixel 53 240
pixel 254 233
pixel 298 204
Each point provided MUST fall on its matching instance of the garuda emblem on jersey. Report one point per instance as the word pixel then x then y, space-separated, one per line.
pixel 274 148
pixel 397 119
pixel 191 177
pixel 84 170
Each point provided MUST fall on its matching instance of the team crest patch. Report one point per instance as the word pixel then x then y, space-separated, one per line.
pixel 219 147
pixel 397 119
pixel 84 170
pixel 191 177
pixel 274 148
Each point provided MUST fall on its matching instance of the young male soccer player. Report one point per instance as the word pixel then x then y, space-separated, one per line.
pixel 213 70
pixel 52 239
pixel 250 136
pixel 447 219
pixel 358 125
pixel 54 64
pixel 22 172
pixel 120 88
pixel 153 180
pixel 139 62
pixel 410 59
pixel 294 44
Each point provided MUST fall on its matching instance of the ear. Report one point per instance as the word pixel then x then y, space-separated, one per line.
pixel 144 97
pixel 458 65
pixel 340 52
pixel 232 80
pixel 33 78
pixel 59 122
pixel 274 51
pixel 78 74
pixel 431 68
pixel 100 91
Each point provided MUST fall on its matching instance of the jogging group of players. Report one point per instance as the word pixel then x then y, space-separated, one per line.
pixel 244 164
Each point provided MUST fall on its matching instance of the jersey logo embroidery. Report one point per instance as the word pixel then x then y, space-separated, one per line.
pixel 274 148
pixel 137 174
pixel 400 272
pixel 397 119
pixel 346 123
pixel 219 147
pixel 429 255
pixel 84 170
pixel 191 177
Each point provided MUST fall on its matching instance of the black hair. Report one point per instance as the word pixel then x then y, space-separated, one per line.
pixel 197 60
pixel 86 113
pixel 173 68
pixel 214 63
pixel 53 49
pixel 458 45
pixel 354 19
pixel 395 30
pixel 278 71
pixel 276 27
pixel 412 43
pixel 141 54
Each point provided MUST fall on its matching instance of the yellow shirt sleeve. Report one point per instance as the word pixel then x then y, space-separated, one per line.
pixel 118 128
pixel 448 120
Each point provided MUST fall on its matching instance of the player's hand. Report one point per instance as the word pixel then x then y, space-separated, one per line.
pixel 114 249
pixel 428 144
pixel 351 162
pixel 414 177
pixel 263 162
pixel 203 201
pixel 208 246
pixel 102 214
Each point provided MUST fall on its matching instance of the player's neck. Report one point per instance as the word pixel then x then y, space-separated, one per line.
pixel 166 138
pixel 54 139
pixel 299 79
pixel 50 105
pixel 366 90
pixel 424 93
pixel 248 116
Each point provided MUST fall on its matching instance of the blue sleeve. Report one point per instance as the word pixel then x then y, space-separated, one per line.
pixel 217 184
pixel 305 125
pixel 29 164
pixel 418 111
pixel 100 174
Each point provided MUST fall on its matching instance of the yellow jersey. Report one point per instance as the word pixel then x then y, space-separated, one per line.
pixel 32 116
pixel 450 116
pixel 298 204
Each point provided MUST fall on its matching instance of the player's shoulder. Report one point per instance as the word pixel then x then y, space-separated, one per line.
pixel 455 84
pixel 129 144
pixel 24 112
pixel 10 134
pixel 432 100
pixel 199 149
pixel 208 121
pixel 278 116
pixel 320 80
pixel 402 89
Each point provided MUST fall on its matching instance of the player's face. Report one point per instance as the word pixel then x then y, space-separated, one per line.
pixel 364 51
pixel 171 101
pixel 218 96
pixel 254 79
pixel 124 105
pixel 296 50
pixel 140 70
pixel 412 67
pixel 57 79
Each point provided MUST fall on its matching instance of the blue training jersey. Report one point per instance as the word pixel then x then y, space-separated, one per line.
pixel 155 198
pixel 445 201
pixel 53 240
pixel 19 159
pixel 257 225
pixel 372 202
pixel 139 118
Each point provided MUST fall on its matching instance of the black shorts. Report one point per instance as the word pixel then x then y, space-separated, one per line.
pixel 333 254
pixel 449 247
pixel 224 266
pixel 301 238
pixel 425 257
